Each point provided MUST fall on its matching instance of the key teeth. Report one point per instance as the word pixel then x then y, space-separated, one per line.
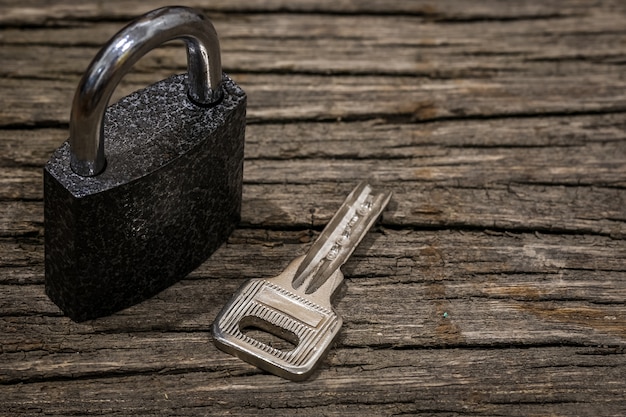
pixel 363 211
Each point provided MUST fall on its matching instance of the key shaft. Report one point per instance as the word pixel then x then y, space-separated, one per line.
pixel 340 237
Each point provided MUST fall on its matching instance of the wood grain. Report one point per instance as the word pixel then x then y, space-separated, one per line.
pixel 494 283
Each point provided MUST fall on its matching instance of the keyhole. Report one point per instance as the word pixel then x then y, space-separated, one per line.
pixel 268 333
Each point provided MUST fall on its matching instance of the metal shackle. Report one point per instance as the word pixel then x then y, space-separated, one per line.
pixel 117 57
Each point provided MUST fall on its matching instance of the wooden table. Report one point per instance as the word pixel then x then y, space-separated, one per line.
pixel 495 283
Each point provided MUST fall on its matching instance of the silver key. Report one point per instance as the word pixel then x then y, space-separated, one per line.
pixel 296 305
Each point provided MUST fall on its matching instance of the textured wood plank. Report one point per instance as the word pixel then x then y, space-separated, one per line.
pixel 592 210
pixel 399 45
pixel 404 382
pixel 514 63
pixel 276 98
pixel 15 12
pixel 363 139
pixel 496 272
pixel 542 174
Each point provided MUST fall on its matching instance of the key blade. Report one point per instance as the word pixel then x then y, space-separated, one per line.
pixel 330 266
pixel 340 237
pixel 325 241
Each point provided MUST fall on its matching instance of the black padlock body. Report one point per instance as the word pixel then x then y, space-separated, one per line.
pixel 169 196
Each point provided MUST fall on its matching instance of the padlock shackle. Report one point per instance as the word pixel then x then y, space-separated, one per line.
pixel 118 56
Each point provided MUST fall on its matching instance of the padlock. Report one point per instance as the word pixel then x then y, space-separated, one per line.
pixel 144 190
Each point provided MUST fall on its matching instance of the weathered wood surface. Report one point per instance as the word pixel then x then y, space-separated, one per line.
pixel 500 128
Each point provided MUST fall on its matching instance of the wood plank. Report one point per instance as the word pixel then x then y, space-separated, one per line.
pixel 593 210
pixel 274 98
pixel 31 12
pixel 519 382
pixel 554 288
pixel 565 209
pixel 400 45
pixel 457 173
pixel 391 31
pixel 376 315
pixel 337 140
pixel 288 97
